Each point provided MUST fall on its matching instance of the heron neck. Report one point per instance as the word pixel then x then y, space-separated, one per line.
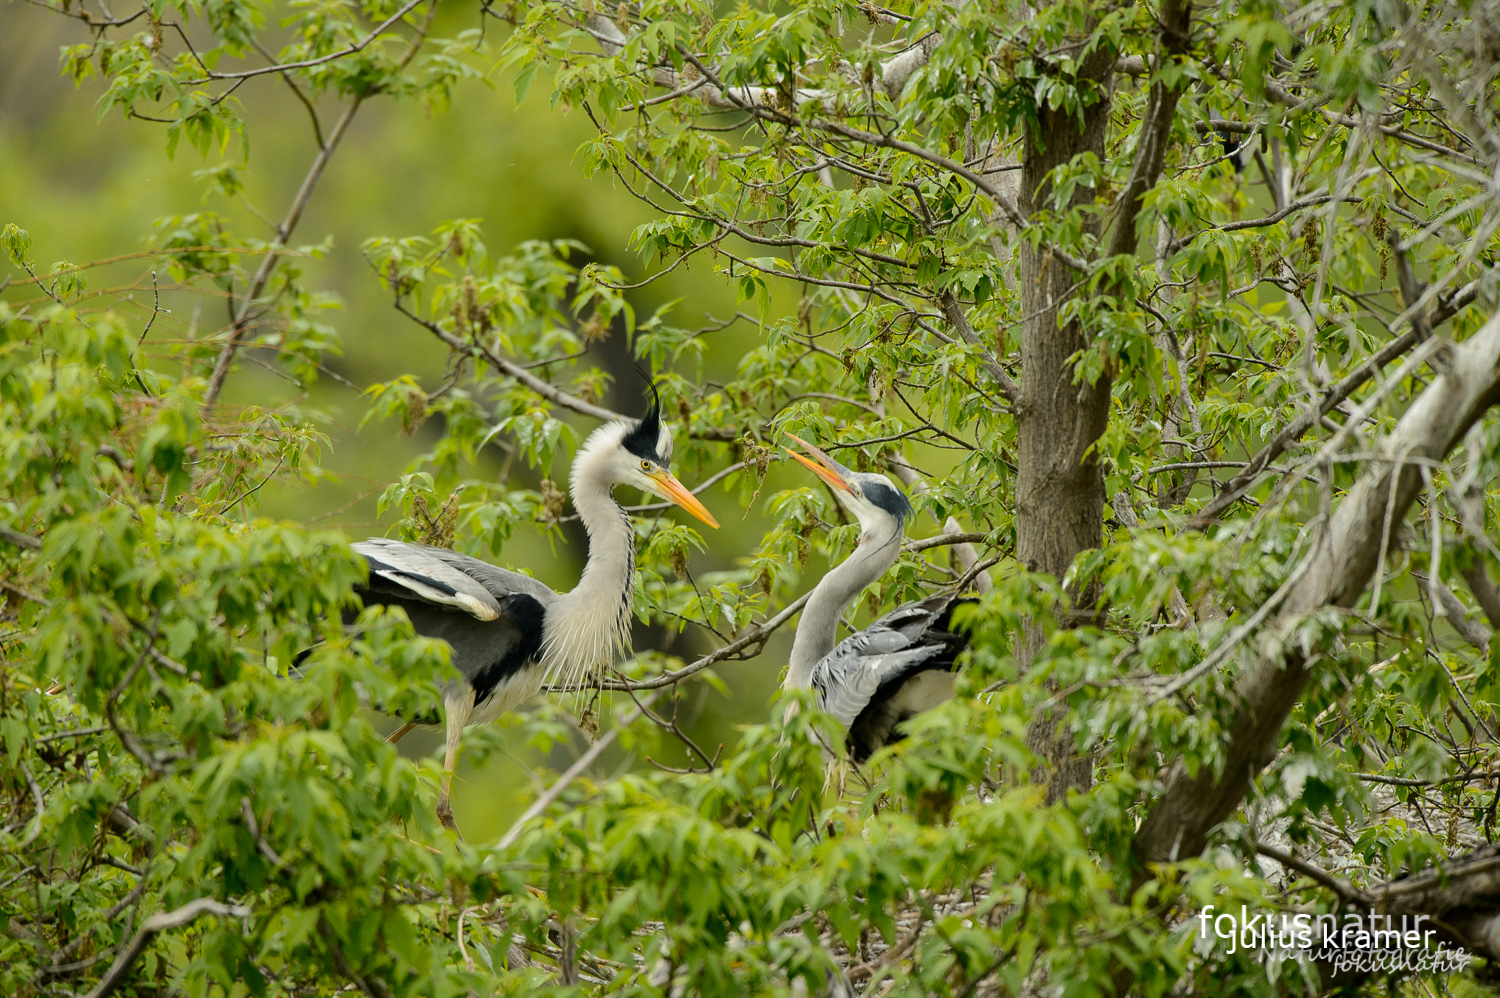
pixel 817 631
pixel 590 625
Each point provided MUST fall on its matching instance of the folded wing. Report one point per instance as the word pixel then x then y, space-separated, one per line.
pixel 404 570
pixel 863 681
pixel 494 620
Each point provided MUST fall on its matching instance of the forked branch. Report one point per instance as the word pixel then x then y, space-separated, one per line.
pixel 1336 573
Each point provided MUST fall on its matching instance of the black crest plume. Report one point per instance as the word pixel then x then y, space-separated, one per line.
pixel 645 437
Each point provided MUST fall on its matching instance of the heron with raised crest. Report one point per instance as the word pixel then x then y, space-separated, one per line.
pixel 900 665
pixel 509 633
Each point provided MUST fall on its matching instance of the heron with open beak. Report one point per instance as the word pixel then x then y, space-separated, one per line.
pixel 900 665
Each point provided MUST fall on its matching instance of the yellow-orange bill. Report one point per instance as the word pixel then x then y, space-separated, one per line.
pixel 825 467
pixel 673 490
pixel 817 469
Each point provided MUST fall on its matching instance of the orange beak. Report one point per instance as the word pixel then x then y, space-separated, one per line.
pixel 824 467
pixel 671 489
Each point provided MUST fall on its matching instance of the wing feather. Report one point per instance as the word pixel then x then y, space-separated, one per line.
pixel 500 582
pixel 444 578
pixel 852 680
pixel 851 676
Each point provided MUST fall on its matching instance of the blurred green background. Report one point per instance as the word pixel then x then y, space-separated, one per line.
pixel 89 188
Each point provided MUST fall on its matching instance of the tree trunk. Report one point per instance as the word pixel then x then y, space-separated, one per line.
pixel 1060 488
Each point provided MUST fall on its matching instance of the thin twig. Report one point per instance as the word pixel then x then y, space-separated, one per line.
pixel 358 46
pixel 582 763
pixel 1243 631
pixel 370 987
pixel 156 924
pixel 79 733
pixel 1346 891
pixel 759 633
pixel 251 491
pixel 126 736
pixel 283 234
pixel 261 845
pixel 41 807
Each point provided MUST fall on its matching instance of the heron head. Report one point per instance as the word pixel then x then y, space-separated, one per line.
pixel 644 457
pixel 872 499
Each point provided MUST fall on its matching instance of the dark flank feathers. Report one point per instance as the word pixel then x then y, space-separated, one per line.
pixel 528 615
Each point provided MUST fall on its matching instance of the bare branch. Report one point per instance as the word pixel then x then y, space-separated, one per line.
pixel 125 735
pixel 893 75
pixel 964 554
pixel 1173 39
pixel 39 803
pixel 263 272
pixel 990 190
pixel 1346 891
pixel 1258 223
pixel 19 539
pixel 1470 506
pixel 157 924
pixel 283 67
pixel 942 540
pixel 580 765
pixel 1456 614
pixel 262 846
pixel 1485 591
pixel 1335 574
pixel 960 323
pixel 1236 488
pixel 368 986
pixel 754 635
pixel 511 369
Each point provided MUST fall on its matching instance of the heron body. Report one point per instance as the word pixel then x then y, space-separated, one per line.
pixel 892 670
pixel 900 665
pixel 492 619
pixel 509 633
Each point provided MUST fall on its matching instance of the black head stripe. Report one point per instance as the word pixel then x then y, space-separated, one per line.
pixel 889 499
pixel 642 440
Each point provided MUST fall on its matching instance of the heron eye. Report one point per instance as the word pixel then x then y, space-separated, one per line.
pixel 645 465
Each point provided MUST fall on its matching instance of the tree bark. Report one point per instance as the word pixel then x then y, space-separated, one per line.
pixel 1060 491
pixel 1060 486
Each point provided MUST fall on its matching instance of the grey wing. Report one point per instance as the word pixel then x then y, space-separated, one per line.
pixel 444 578
pixel 849 677
pixel 913 619
pixel 500 582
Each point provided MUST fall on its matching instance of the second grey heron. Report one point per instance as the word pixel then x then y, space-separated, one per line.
pixel 509 633
pixel 900 665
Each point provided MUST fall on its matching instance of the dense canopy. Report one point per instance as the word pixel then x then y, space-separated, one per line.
pixel 1176 322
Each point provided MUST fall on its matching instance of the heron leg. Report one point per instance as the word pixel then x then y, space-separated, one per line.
pixel 457 706
pixel 400 733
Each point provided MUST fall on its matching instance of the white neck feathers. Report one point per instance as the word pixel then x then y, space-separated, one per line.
pixel 817 631
pixel 589 626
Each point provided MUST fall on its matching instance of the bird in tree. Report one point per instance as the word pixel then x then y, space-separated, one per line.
pixel 900 665
pixel 509 633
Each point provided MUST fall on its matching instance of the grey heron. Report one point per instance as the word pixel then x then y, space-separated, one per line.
pixel 900 665
pixel 508 632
